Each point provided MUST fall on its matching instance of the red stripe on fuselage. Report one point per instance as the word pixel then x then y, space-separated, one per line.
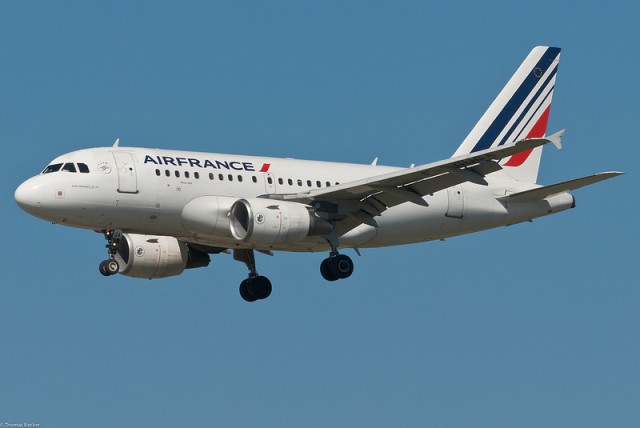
pixel 265 167
pixel 537 131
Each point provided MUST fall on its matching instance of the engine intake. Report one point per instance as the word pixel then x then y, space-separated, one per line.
pixel 269 222
pixel 148 256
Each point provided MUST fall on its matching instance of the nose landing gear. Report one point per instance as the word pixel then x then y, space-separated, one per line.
pixel 110 266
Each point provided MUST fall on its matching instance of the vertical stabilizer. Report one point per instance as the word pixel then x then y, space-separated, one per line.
pixel 521 110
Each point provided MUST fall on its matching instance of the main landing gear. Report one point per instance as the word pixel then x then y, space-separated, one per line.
pixel 336 266
pixel 256 287
pixel 110 266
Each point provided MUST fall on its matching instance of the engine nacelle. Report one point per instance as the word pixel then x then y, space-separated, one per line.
pixel 208 215
pixel 149 256
pixel 269 222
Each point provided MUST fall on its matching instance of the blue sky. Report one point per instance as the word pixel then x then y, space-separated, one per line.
pixel 531 325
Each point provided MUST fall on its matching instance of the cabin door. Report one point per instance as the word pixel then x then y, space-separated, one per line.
pixel 127 179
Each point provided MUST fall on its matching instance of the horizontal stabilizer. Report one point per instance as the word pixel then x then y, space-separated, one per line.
pixel 555 189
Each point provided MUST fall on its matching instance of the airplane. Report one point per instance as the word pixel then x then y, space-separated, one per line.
pixel 164 211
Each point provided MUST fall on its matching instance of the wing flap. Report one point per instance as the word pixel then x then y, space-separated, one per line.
pixel 554 189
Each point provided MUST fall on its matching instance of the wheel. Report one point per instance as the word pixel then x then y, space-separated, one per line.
pixel 244 292
pixel 341 266
pixel 111 266
pixel 103 268
pixel 326 272
pixel 260 287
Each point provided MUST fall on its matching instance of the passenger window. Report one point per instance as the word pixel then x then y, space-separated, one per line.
pixel 158 172
pixel 308 183
pixel 211 176
pixel 254 179
pixel 186 174
pixel 280 181
pixel 328 184
pixel 83 168
pixel 196 175
pixel 177 173
pixel 269 180
pixel 221 177
pixel 69 167
pixel 167 173
pixel 230 177
pixel 239 177
pixel 299 182
pixel 290 181
pixel 52 168
pixel 318 184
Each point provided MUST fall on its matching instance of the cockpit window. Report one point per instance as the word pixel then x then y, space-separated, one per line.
pixel 82 167
pixel 52 168
pixel 69 167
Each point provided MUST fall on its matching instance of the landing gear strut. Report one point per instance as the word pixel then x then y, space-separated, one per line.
pixel 255 287
pixel 110 266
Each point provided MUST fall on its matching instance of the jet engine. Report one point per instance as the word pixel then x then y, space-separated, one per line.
pixel 208 215
pixel 149 256
pixel 269 222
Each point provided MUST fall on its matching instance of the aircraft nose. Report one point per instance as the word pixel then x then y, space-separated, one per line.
pixel 27 197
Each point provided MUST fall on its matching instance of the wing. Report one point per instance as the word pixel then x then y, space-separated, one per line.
pixel 554 189
pixel 359 201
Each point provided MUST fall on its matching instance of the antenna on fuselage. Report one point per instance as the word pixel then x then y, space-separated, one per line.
pixel 117 143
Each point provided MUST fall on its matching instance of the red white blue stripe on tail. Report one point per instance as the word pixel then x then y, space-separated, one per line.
pixel 520 111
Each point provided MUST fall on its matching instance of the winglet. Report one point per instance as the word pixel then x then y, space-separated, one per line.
pixel 556 139
pixel 117 143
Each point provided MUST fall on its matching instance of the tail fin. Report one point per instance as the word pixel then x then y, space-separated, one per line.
pixel 521 110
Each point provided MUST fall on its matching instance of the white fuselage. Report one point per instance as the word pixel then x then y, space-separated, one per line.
pixel 145 191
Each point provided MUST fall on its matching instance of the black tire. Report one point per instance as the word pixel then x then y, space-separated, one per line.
pixel 326 272
pixel 260 287
pixel 103 268
pixel 244 291
pixel 341 266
